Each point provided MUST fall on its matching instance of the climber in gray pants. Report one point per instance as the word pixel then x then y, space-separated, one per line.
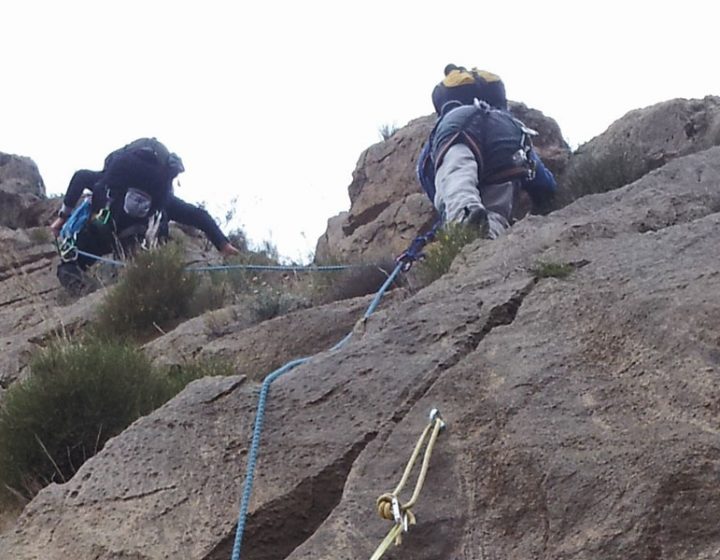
pixel 473 163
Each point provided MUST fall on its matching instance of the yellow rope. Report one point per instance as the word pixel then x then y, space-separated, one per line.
pixel 389 506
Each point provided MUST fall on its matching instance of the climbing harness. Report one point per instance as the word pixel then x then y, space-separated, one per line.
pixel 404 262
pixel 389 506
pixel 67 249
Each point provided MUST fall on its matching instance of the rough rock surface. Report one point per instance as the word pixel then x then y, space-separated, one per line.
pixel 388 208
pixel 640 141
pixel 20 187
pixel 34 308
pixel 582 412
pixel 231 335
pixel 40 213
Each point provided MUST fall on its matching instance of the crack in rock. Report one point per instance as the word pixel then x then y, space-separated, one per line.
pixel 224 393
pixel 12 268
pixel 279 527
pixel 500 315
pixel 130 498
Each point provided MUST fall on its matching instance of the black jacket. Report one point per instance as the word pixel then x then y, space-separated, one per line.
pixel 174 208
pixel 494 136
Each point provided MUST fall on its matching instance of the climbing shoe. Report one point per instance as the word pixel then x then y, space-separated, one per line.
pixel 477 218
pixel 497 225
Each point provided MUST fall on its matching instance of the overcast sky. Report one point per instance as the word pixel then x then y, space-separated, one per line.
pixel 272 103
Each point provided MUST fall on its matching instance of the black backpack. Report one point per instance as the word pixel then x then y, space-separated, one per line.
pixel 138 177
pixel 501 143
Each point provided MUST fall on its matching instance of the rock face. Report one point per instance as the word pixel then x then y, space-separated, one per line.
pixel 388 207
pixel 549 142
pixel 641 141
pixel 582 413
pixel 34 308
pixel 232 335
pixel 20 187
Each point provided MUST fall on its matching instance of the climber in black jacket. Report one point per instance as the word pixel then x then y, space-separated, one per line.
pixel 132 199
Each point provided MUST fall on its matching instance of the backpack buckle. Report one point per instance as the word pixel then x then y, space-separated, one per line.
pixel 103 216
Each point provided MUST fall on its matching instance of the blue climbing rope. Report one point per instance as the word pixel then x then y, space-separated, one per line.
pixel 290 267
pixel 414 252
pixel 101 259
pixel 254 448
pixel 404 262
pixel 260 416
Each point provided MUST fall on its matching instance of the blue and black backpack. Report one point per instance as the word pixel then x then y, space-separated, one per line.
pixel 501 144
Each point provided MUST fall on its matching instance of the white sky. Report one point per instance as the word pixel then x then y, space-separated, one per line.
pixel 272 102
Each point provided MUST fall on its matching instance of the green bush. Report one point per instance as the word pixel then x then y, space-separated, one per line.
pixel 269 302
pixel 154 291
pixel 440 254
pixel 242 280
pixel 211 292
pixel 79 395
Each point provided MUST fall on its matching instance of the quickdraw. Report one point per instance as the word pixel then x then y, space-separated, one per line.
pixel 389 506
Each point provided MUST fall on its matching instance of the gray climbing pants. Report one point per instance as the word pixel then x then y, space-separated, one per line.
pixel 458 193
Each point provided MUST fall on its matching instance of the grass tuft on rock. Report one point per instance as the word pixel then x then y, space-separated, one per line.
pixel 544 269
pixel 153 292
pixel 440 254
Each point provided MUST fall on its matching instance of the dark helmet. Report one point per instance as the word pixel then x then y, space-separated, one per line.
pixel 450 67
pixel 175 165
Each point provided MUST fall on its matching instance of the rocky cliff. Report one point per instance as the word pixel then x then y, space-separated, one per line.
pixel 582 412
pixel 387 205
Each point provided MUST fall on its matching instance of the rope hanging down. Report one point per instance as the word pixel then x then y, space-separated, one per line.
pixel 260 417
pixel 404 262
pixel 389 505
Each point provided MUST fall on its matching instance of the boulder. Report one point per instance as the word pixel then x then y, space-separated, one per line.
pixel 20 187
pixel 232 335
pixel 640 141
pixel 388 208
pixel 33 306
pixel 384 197
pixel 581 412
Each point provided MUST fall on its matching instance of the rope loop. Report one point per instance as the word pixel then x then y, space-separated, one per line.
pixel 388 504
pixel 384 506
